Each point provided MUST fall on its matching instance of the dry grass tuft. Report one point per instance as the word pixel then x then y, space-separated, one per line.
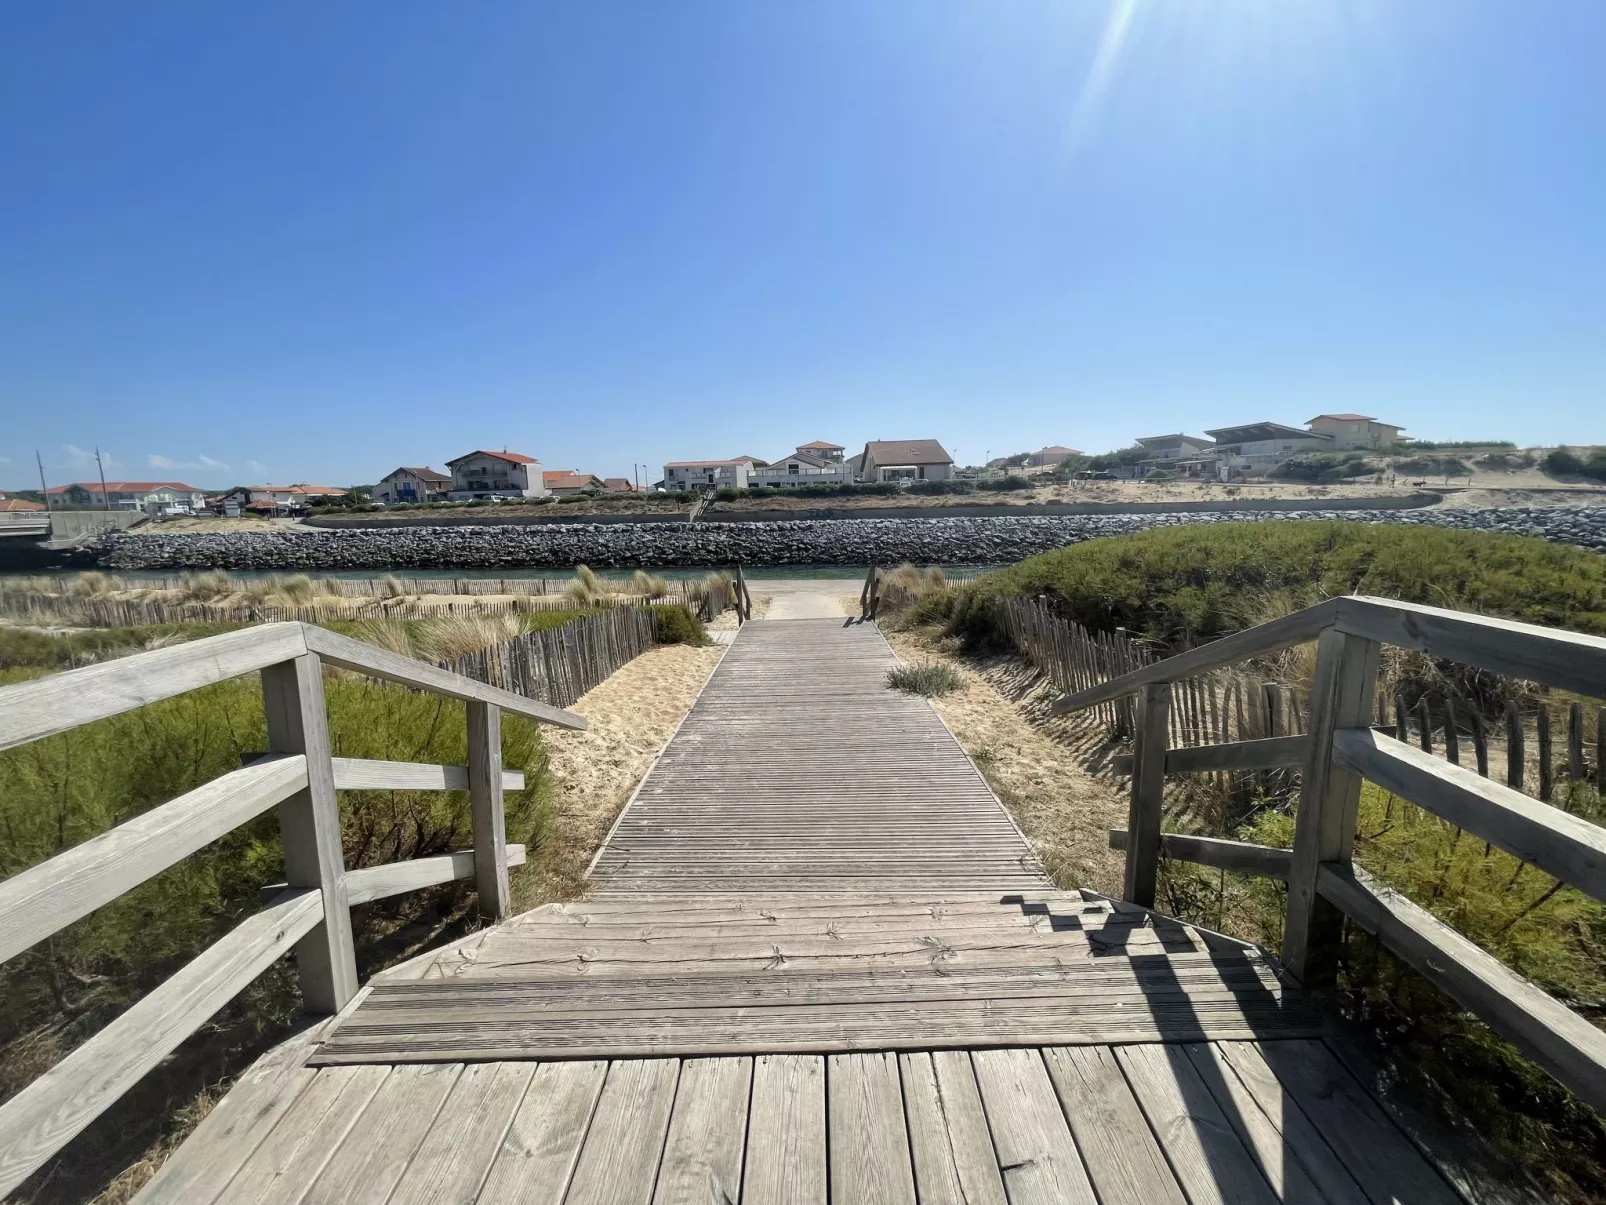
pixel 650 584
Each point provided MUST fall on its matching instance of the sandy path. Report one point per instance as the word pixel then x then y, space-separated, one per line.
pixel 1037 765
pixel 632 716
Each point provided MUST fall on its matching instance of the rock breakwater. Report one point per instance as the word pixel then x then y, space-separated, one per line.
pixel 810 542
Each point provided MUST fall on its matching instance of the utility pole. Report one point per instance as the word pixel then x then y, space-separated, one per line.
pixel 44 489
pixel 105 498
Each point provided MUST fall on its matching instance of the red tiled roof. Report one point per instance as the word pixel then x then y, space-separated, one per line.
pixel 423 474
pixel 619 485
pixel 512 457
pixel 316 489
pixel 821 445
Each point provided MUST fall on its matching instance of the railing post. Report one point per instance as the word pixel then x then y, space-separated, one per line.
pixel 485 799
pixel 309 825
pixel 1148 792
pixel 1329 799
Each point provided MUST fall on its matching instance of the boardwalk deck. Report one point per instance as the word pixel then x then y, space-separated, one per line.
pixel 798 770
pixel 820 965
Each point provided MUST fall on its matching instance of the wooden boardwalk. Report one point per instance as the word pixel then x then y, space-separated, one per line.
pixel 820 965
pixel 798 770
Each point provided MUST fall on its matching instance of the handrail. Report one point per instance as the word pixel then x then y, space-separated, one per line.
pixel 300 777
pixel 1337 752
pixel 1566 660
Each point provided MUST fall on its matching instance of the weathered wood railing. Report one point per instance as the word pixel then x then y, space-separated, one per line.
pixel 309 913
pixel 870 594
pixel 1338 752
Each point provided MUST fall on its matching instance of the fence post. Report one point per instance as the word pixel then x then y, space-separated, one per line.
pixel 1329 797
pixel 1148 792
pixel 485 801
pixel 309 824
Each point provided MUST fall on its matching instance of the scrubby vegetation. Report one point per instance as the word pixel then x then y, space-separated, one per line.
pixel 1562 463
pixel 1433 466
pixel 929 680
pixel 675 624
pixel 1324 467
pixel 1180 586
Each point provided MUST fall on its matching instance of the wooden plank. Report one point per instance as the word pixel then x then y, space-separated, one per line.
pixel 367 774
pixel 1122 1157
pixel 1566 846
pixel 702 1161
pixel 1144 815
pixel 1293 1157
pixel 1299 628
pixel 1239 856
pixel 43 1117
pixel 1567 660
pixel 31 710
pixel 949 1141
pixel 542 1146
pixel 1036 1153
pixel 452 1161
pixel 377 1149
pixel 619 1160
pixel 299 1147
pixel 867 1136
pixel 309 825
pixel 1381 1159
pixel 1329 802
pixel 1550 1033
pixel 397 878
pixel 39 901
pixel 485 802
pixel 198 1171
pixel 377 663
pixel 786 1163
pixel 1270 753
pixel 1212 1165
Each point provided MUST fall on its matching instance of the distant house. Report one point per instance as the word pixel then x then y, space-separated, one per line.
pixel 408 484
pixel 273 499
pixel 1185 455
pixel 1350 431
pixel 816 463
pixel 480 474
pixel 621 485
pixel 570 481
pixel 905 460
pixel 152 497
pixel 1257 447
pixel 1051 455
pixel 709 474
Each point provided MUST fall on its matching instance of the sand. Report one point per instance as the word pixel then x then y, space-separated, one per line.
pixel 1044 770
pixel 632 716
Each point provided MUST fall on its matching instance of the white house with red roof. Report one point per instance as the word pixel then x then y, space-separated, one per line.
pixel 481 474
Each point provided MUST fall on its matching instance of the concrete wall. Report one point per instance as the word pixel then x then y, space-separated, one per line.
pixel 70 524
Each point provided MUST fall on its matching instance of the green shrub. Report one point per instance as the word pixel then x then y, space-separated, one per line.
pixel 1434 466
pixel 929 680
pixel 20 647
pixel 1322 467
pixel 675 624
pixel 1006 484
pixel 943 487
pixel 1184 585
pixel 1562 463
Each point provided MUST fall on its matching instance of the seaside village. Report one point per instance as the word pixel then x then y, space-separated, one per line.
pixel 1220 454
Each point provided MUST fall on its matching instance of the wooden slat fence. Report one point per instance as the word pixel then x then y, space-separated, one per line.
pixel 1542 747
pixel 559 665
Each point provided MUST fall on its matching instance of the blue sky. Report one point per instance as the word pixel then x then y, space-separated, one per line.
pixel 312 241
